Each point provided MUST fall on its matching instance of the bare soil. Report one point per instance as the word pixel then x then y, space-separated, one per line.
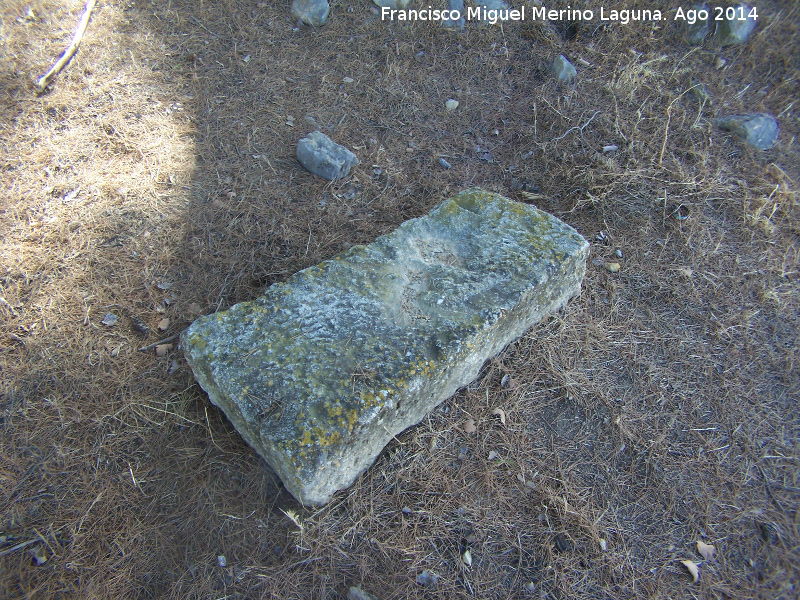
pixel 156 180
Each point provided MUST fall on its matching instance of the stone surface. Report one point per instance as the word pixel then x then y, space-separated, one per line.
pixel 311 12
pixel 322 156
pixel 488 5
pixel 696 32
pixel 356 593
pixel 736 31
pixel 320 372
pixel 459 6
pixel 760 130
pixel 563 69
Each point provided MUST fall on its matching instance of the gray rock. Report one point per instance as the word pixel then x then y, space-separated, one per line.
pixel 394 4
pixel 563 69
pixel 490 5
pixel 759 130
pixel 696 32
pixel 427 578
pixel 356 593
pixel 322 371
pixel 322 156
pixel 736 31
pixel 459 6
pixel 445 164
pixel 311 12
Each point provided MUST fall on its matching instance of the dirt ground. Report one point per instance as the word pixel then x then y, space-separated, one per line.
pixel 156 180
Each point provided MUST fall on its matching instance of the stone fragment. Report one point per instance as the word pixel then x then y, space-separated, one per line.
pixel 563 69
pixel 356 593
pixel 453 5
pixel 324 157
pixel 738 29
pixel 486 6
pixel 322 371
pixel 696 32
pixel 760 130
pixel 311 12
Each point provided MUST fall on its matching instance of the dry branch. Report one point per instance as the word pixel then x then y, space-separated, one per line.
pixel 45 79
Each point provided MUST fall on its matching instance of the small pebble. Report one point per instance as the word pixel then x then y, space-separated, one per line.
pixel 427 578
pixel 222 561
pixel 610 148
pixel 445 164
pixel 451 104
pixel 109 320
pixel 348 80
pixel 618 252
pixel 720 62
pixel 611 267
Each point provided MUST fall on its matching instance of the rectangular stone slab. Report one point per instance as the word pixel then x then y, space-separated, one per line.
pixel 320 372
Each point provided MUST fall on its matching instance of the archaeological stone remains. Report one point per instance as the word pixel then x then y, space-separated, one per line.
pixel 320 372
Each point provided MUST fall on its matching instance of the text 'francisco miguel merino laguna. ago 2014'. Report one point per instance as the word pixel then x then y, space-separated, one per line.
pixel 524 13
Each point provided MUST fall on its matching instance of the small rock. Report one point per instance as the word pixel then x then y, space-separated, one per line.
pixel 610 148
pixel 322 156
pixel 222 561
pixel 109 320
pixel 696 32
pixel 737 30
pixel 445 164
pixel 348 80
pixel 467 558
pixel 618 252
pixel 451 104
pixel 356 593
pixel 455 5
pixel 38 551
pixel 719 63
pixel 427 578
pixel 611 267
pixel 759 130
pixel 563 69
pixel 497 5
pixel 311 12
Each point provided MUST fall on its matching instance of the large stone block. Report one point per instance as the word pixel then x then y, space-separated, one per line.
pixel 322 370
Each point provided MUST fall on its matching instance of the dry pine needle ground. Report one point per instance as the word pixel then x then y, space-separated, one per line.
pixel 156 181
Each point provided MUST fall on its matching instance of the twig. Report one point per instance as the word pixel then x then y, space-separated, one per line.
pixel 4 302
pixel 158 343
pixel 581 128
pixel 18 547
pixel 45 79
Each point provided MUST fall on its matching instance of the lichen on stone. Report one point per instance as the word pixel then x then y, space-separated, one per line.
pixel 326 367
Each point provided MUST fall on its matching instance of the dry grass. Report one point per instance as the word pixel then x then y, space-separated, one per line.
pixel 158 178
